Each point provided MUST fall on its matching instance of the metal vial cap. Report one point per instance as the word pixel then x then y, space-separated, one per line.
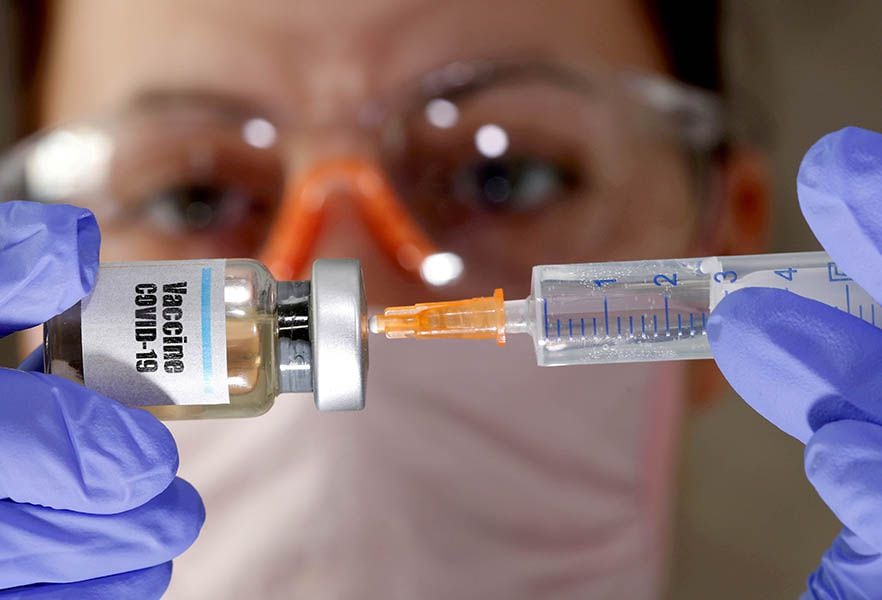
pixel 338 331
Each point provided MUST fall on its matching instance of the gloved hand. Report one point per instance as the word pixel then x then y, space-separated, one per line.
pixel 90 506
pixel 816 371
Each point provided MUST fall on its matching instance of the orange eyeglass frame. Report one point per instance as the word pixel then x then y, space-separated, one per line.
pixel 299 222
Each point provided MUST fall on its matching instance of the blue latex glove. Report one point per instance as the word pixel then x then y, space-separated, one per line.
pixel 816 371
pixel 89 504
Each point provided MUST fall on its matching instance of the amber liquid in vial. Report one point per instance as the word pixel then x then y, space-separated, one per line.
pixel 251 346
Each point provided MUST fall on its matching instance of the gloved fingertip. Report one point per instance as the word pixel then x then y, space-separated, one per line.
pixel 82 451
pixel 836 162
pixel 182 516
pixel 782 353
pixel 89 245
pixel 849 150
pixel 149 465
pixel 731 322
pixel 48 259
pixel 153 581
pixel 843 461
pixel 838 185
pixel 848 569
pixel 728 312
pixel 736 324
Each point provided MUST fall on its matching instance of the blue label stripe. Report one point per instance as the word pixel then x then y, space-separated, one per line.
pixel 206 330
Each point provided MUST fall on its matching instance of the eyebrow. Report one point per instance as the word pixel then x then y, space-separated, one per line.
pixel 225 103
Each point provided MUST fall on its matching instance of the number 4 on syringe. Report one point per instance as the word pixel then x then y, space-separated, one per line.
pixel 786 273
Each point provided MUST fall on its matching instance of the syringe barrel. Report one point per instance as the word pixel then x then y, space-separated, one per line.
pixel 658 310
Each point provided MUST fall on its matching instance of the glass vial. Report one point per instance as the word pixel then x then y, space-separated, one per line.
pixel 215 338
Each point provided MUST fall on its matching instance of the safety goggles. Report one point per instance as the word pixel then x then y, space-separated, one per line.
pixel 479 171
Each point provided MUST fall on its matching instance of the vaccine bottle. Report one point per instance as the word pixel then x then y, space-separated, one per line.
pixel 203 339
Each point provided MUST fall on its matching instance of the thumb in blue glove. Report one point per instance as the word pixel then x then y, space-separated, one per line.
pixel 813 370
pixel 92 505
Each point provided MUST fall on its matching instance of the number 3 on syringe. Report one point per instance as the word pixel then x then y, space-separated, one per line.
pixel 726 277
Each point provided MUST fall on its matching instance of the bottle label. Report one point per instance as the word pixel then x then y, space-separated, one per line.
pixel 154 333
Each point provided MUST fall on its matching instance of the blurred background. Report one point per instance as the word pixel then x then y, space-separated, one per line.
pixel 748 524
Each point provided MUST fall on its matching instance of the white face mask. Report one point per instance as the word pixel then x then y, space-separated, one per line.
pixel 471 474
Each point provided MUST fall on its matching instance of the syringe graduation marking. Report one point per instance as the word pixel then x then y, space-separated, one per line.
pixel 834 275
pixel 577 330
pixel 606 315
pixel 872 318
pixel 563 325
pixel 545 309
pixel 667 317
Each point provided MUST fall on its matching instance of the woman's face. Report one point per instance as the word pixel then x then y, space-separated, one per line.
pixel 579 179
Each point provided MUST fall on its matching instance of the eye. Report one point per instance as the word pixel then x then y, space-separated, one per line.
pixel 203 207
pixel 497 154
pixel 514 184
pixel 196 185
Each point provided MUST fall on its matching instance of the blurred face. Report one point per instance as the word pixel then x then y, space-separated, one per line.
pixel 223 108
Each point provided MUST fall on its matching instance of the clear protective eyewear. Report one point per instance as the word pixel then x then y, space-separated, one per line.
pixel 478 172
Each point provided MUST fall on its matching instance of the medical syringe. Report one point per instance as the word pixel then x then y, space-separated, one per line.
pixel 627 311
